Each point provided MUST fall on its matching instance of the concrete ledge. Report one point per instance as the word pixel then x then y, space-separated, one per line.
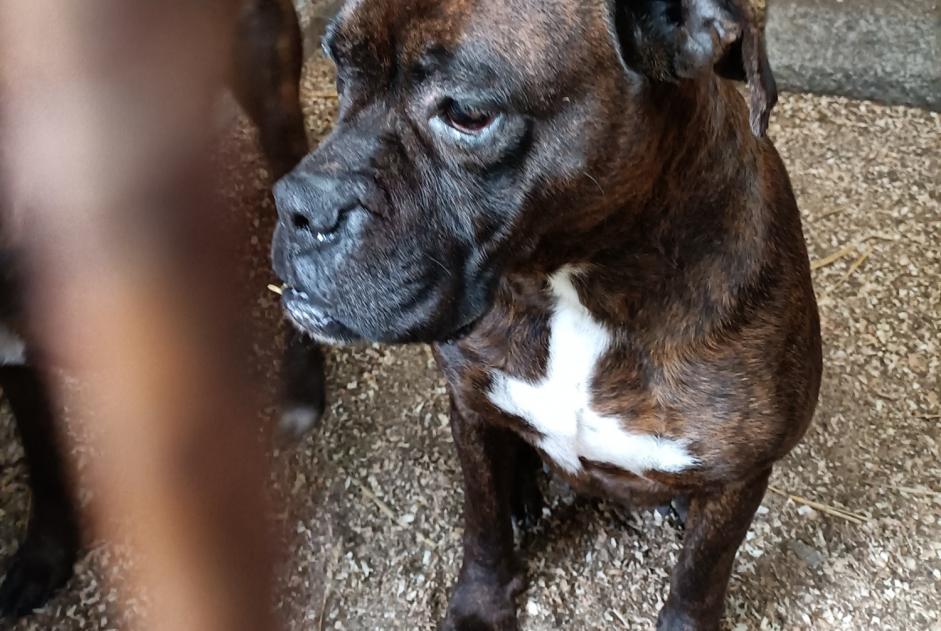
pixel 314 15
pixel 884 50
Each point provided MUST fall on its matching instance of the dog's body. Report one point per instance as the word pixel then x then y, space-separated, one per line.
pixel 567 200
pixel 678 355
pixel 265 77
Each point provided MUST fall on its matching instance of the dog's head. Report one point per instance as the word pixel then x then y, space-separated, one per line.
pixel 467 131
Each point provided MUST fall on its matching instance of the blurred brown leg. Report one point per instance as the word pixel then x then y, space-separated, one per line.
pixel 179 471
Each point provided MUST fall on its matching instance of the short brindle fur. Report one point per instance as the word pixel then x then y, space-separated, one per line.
pixel 506 174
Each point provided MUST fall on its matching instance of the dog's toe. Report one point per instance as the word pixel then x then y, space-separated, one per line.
pixel 37 570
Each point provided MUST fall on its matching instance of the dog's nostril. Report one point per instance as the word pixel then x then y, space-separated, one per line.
pixel 300 221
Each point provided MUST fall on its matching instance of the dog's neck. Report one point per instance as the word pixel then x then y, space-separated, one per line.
pixel 681 244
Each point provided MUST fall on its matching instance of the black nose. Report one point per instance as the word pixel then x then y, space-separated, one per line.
pixel 313 204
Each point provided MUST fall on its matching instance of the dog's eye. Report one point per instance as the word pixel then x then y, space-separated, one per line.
pixel 467 120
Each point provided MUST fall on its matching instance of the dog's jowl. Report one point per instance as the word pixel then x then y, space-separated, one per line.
pixel 573 202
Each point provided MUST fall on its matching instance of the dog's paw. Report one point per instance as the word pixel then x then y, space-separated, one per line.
pixel 39 568
pixel 674 618
pixel 482 605
pixel 297 420
pixel 481 621
pixel 303 398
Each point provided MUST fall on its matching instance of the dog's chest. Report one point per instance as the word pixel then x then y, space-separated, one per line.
pixel 559 405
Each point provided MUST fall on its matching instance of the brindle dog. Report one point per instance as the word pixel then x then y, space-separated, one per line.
pixel 571 201
pixel 265 77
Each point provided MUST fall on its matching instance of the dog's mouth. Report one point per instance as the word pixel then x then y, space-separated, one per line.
pixel 311 316
pixel 315 317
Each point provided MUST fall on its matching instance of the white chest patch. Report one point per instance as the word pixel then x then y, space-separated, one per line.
pixel 12 348
pixel 559 405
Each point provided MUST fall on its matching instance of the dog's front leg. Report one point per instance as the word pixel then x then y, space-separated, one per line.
pixel 715 527
pixel 490 578
pixel 303 395
pixel 266 77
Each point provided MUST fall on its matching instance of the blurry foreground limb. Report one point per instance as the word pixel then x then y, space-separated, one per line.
pixel 103 121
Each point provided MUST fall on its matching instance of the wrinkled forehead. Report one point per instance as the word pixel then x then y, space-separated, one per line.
pixel 530 41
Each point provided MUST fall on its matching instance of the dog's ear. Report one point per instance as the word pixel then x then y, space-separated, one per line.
pixel 671 40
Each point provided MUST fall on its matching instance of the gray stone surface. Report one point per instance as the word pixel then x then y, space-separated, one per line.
pixel 314 15
pixel 874 49
pixel 871 49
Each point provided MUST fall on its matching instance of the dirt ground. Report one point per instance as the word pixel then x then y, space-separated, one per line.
pixel 371 501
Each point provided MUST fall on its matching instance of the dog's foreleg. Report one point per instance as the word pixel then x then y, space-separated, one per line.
pixel 266 76
pixel 715 527
pixel 45 559
pixel 489 579
pixel 303 398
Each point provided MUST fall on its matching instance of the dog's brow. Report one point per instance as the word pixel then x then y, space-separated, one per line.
pixel 432 58
pixel 474 70
pixel 437 52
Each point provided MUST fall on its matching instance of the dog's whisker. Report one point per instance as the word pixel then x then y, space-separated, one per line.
pixel 439 263
pixel 597 183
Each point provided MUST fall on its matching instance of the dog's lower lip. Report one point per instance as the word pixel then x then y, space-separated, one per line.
pixel 293 295
pixel 313 317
